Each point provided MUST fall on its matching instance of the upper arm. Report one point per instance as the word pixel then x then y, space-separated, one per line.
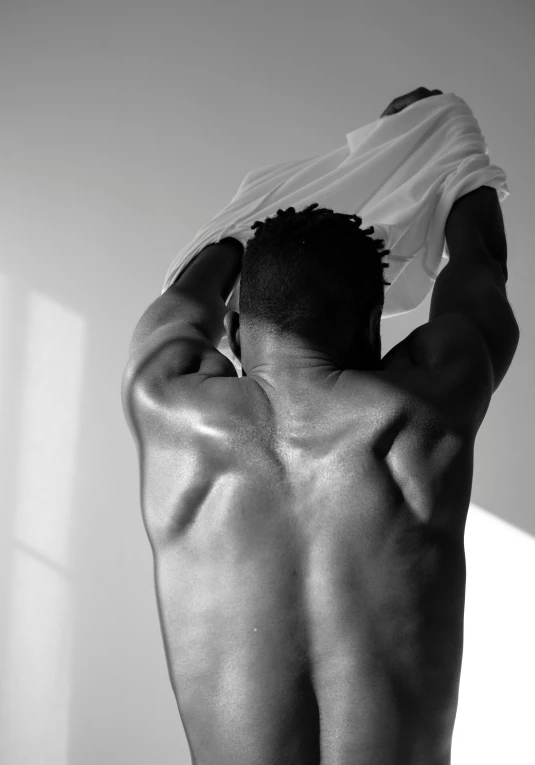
pixel 172 359
pixel 458 359
pixel 175 342
pixel 463 353
pixel 445 364
pixel 472 286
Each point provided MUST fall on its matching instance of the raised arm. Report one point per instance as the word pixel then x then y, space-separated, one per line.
pixel 469 301
pixel 461 355
pixel 472 285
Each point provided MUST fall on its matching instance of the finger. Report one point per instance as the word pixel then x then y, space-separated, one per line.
pixel 411 98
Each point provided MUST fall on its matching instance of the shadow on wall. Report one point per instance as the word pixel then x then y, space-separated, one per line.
pixel 40 402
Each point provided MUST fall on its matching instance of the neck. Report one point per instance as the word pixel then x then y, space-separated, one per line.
pixel 289 365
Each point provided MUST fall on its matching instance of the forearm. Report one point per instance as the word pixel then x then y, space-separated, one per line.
pixel 199 294
pixel 216 268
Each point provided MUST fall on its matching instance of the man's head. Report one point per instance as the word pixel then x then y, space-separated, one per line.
pixel 312 283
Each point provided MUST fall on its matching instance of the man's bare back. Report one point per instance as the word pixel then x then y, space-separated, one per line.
pixel 310 569
pixel 307 520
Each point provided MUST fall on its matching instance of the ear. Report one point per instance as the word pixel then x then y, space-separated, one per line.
pixel 231 321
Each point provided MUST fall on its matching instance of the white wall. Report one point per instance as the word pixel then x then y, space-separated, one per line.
pixel 125 126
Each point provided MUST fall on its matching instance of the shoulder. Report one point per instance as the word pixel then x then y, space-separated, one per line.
pixel 169 369
pixel 444 363
pixel 176 409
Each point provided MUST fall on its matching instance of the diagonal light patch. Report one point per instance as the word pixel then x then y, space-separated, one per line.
pixel 495 714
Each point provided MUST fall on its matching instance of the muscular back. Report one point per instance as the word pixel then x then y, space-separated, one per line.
pixel 309 564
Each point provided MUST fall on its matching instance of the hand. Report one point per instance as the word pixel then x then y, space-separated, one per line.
pixel 401 102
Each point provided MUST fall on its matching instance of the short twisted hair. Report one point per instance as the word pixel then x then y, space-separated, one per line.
pixel 305 270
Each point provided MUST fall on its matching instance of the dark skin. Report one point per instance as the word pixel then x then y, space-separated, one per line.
pixel 307 524
pixel 347 347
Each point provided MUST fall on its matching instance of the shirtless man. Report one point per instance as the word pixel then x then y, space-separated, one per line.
pixel 307 519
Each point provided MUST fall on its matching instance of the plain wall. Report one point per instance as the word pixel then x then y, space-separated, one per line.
pixel 125 127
